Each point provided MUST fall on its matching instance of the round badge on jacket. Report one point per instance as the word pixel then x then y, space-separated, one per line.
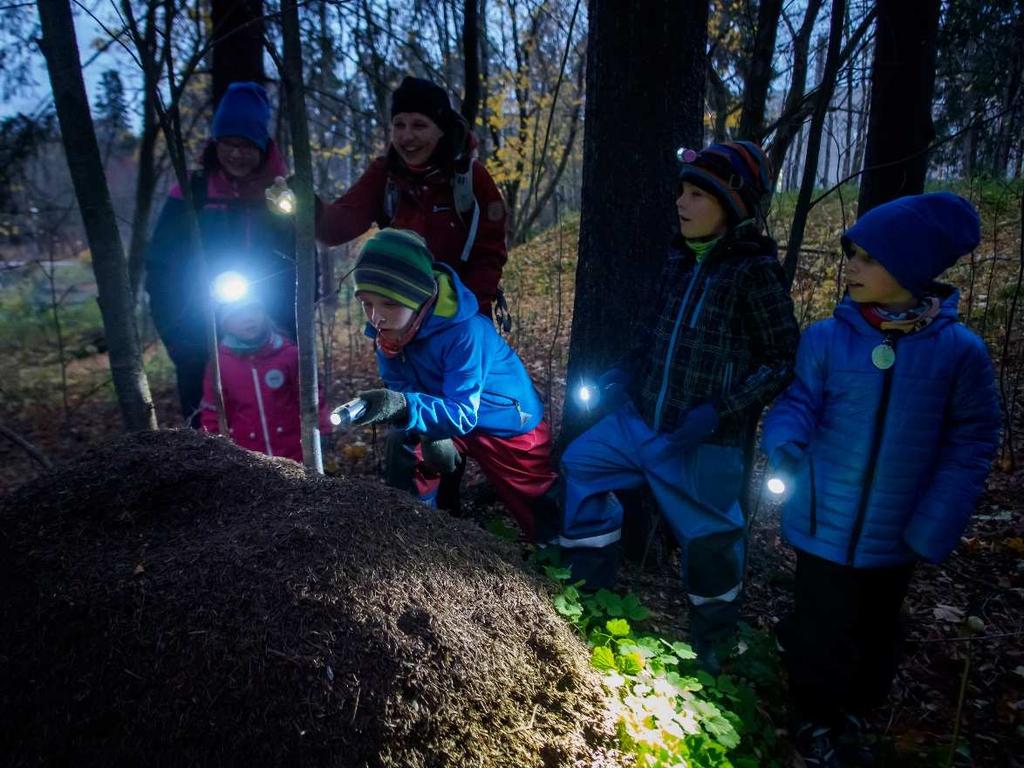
pixel 274 378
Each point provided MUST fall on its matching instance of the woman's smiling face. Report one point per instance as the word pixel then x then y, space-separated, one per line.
pixel 414 136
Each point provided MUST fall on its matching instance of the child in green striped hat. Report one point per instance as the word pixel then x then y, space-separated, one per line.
pixel 453 386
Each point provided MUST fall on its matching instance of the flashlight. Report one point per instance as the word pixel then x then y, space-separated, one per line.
pixel 346 413
pixel 776 485
pixel 281 197
pixel 229 287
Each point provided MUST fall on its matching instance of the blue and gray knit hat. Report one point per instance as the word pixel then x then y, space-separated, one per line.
pixel 737 173
pixel 397 263
pixel 244 110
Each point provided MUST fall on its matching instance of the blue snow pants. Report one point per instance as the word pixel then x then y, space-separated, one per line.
pixel 697 490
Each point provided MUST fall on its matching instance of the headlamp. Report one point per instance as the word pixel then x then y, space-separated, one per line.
pixel 229 287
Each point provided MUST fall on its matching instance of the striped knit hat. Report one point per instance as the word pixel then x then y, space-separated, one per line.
pixel 737 173
pixel 397 263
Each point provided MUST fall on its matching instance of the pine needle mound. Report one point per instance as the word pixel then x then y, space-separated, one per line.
pixel 170 599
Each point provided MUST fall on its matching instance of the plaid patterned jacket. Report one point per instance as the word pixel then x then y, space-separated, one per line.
pixel 724 332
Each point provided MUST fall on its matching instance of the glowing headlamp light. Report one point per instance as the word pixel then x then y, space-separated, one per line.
pixel 229 287
pixel 776 485
pixel 346 413
pixel 686 155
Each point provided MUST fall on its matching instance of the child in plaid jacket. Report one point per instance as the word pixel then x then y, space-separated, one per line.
pixel 720 348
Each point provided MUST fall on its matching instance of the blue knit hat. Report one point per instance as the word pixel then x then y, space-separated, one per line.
pixel 244 110
pixel 737 173
pixel 918 237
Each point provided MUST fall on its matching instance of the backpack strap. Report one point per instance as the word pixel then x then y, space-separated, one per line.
pixel 391 195
pixel 465 201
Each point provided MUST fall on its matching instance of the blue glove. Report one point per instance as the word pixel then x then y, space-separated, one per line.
pixel 614 377
pixel 696 424
pixel 612 386
pixel 785 460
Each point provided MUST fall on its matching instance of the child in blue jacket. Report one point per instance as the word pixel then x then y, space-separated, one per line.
pixel 886 436
pixel 454 388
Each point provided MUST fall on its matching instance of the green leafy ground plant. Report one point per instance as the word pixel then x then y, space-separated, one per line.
pixel 669 713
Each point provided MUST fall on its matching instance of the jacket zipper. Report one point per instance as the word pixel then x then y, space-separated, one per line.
pixel 672 348
pixel 263 414
pixel 876 444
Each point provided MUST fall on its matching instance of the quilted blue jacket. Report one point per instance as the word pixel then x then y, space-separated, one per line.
pixel 458 374
pixel 893 461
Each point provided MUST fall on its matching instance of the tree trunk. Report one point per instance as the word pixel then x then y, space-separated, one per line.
pixel 902 85
pixel 237 43
pixel 759 70
pixel 814 135
pixel 630 176
pixel 145 184
pixel 60 48
pixel 305 244
pixel 471 59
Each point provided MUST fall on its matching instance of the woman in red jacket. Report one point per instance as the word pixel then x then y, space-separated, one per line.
pixel 429 182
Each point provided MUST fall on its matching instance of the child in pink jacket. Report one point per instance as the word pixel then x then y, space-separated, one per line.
pixel 259 370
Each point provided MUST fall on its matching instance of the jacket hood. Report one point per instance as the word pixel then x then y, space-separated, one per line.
pixel 848 311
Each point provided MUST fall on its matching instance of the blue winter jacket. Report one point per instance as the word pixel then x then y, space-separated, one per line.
pixel 458 375
pixel 894 460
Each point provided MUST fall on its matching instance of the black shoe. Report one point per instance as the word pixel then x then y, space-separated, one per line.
pixel 814 744
pixel 854 745
pixel 707 655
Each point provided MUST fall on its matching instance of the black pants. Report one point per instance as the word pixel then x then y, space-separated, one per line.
pixel 841 645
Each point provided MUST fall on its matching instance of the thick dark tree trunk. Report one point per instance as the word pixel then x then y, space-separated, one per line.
pixel 237 43
pixel 305 242
pixel 471 58
pixel 759 70
pixel 629 174
pixel 902 85
pixel 60 48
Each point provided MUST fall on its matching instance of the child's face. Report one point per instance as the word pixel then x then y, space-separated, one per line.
pixel 238 156
pixel 700 213
pixel 249 323
pixel 414 136
pixel 386 315
pixel 870 283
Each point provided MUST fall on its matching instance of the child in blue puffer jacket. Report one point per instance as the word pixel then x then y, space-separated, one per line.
pixel 886 436
pixel 454 388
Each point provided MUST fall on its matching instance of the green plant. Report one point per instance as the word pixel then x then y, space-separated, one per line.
pixel 669 713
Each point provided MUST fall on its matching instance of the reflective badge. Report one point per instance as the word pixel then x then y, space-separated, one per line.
pixel 274 378
pixel 883 356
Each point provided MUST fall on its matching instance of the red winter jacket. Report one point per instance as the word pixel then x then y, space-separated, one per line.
pixel 426 205
pixel 261 399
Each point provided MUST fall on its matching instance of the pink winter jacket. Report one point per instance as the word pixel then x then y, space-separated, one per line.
pixel 261 398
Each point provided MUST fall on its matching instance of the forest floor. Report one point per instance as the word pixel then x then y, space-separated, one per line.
pixel 961 685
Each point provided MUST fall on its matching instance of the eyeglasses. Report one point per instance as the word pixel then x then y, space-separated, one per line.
pixel 238 146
